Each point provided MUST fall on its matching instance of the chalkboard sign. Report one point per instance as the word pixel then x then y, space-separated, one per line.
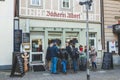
pixel 107 61
pixel 17 65
pixel 26 37
pixel 17 40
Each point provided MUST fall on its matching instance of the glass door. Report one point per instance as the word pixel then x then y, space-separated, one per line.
pixel 92 42
pixel 37 49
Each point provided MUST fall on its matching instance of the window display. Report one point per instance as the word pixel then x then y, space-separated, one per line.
pixel 37 45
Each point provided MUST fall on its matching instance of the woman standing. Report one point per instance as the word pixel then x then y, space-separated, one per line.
pixel 93 55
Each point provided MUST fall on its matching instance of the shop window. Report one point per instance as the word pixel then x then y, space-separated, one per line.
pixel 37 45
pixel 65 3
pixel 58 41
pixel 72 37
pixel 36 2
pixel 36 57
pixel 91 42
pixel 91 34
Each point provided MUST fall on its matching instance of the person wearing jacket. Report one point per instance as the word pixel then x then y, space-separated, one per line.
pixel 93 55
pixel 54 58
pixel 69 50
pixel 48 56
pixel 75 56
pixel 64 58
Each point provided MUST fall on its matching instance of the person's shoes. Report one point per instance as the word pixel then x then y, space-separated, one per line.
pixel 75 71
pixel 55 73
pixel 65 72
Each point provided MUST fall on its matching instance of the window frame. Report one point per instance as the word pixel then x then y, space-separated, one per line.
pixel 2 0
pixel 40 3
pixel 65 6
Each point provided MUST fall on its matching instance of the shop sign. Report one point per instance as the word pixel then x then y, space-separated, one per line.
pixel 107 61
pixel 17 40
pixel 26 37
pixel 112 46
pixel 46 13
pixel 53 14
pixel 17 65
pixel 109 26
pixel 62 14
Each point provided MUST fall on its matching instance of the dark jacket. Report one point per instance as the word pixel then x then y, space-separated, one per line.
pixel 75 53
pixel 54 51
pixel 69 50
pixel 48 54
pixel 63 54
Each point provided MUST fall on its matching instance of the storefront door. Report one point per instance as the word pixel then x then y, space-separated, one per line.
pixel 37 48
pixel 92 41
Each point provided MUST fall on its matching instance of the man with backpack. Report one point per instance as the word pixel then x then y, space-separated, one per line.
pixel 75 56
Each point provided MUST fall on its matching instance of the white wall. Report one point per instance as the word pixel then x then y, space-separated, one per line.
pixel 6 32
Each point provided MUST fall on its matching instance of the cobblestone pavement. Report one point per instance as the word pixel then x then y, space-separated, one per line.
pixel 80 75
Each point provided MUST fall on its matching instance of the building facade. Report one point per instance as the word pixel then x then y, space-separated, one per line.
pixel 6 33
pixel 111 17
pixel 64 20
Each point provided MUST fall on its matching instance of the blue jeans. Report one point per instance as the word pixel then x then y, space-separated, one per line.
pixel 74 65
pixel 54 65
pixel 64 65
pixel 94 66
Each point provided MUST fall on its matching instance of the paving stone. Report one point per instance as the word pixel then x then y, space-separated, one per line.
pixel 80 75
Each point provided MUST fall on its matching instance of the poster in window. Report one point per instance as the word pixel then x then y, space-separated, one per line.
pixel 26 37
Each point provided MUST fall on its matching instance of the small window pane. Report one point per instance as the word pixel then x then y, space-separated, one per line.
pixel 91 34
pixel 66 3
pixel 63 4
pixel 33 1
pixel 36 2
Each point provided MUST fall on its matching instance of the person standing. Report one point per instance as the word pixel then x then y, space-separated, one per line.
pixel 93 55
pixel 54 57
pixel 81 49
pixel 48 56
pixel 69 51
pixel 75 56
pixel 64 58
pixel 82 58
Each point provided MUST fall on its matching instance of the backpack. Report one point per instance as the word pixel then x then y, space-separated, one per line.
pixel 75 53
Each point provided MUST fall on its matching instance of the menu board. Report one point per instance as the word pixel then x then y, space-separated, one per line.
pixel 17 40
pixel 107 61
pixel 17 65
pixel 26 37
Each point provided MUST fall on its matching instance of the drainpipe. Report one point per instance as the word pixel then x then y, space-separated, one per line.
pixel 102 25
